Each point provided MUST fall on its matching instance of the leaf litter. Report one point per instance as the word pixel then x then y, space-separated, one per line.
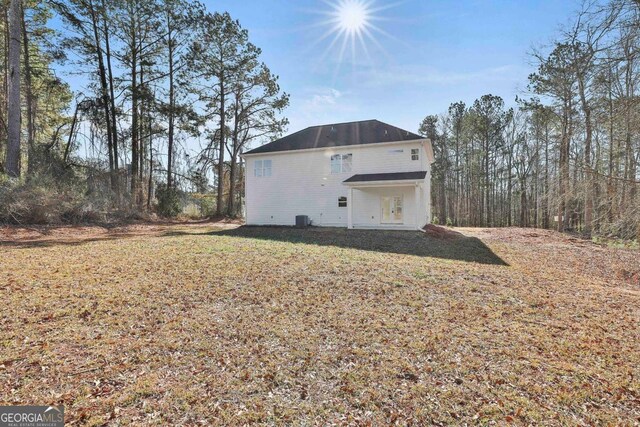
pixel 212 325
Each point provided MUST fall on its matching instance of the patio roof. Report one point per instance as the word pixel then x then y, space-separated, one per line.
pixel 394 176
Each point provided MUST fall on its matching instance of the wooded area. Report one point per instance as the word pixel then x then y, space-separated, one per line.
pixel 565 158
pixel 160 72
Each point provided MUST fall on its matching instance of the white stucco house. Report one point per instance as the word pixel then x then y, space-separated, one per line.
pixel 365 174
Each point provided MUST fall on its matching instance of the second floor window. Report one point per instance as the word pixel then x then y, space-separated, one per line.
pixel 415 154
pixel 262 168
pixel 341 163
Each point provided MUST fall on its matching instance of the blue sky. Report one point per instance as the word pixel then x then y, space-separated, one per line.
pixel 427 55
pixel 434 53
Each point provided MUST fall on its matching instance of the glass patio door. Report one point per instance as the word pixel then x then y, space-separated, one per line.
pixel 391 209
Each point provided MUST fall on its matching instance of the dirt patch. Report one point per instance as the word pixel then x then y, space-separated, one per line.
pixel 438 232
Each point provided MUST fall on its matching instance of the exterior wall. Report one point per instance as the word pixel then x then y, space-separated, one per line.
pixel 301 183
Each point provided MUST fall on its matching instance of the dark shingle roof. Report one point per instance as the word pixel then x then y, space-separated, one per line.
pixel 338 135
pixel 395 176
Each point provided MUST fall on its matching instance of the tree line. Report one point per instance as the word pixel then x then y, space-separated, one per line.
pixel 157 73
pixel 566 156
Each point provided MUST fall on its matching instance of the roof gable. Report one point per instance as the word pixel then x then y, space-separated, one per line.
pixel 338 135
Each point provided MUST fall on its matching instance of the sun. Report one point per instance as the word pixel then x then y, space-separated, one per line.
pixel 351 26
pixel 352 16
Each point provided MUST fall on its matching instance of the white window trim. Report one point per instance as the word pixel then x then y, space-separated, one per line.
pixel 415 152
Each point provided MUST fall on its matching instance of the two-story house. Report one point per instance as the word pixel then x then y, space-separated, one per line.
pixel 364 174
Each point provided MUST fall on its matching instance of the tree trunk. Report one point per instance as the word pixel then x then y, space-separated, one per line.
pixel 563 171
pixel 150 181
pixel 546 221
pixel 233 171
pixel 31 128
pixel 586 109
pixel 219 199
pixel 142 117
pixel 486 196
pixel 443 191
pixel 234 159
pixel 114 123
pixel 171 108
pixel 13 98
pixel 134 128
pixel 523 203
pixel 103 92
pixel 458 198
pixel 5 82
pixel 612 152
pixel 510 187
pixel 67 149
pixel 629 111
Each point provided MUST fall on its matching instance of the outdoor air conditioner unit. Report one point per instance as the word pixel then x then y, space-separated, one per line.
pixel 302 221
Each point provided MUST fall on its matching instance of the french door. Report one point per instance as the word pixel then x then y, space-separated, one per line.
pixel 392 212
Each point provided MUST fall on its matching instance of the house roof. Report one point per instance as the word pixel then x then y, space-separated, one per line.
pixel 338 135
pixel 395 176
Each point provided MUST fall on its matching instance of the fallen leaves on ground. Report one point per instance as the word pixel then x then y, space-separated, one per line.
pixel 210 325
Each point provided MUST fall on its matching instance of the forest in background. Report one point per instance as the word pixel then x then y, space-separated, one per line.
pixel 566 156
pixel 158 72
pixel 162 71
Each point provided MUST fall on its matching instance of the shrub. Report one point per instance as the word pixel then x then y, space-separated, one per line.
pixel 41 202
pixel 168 201
pixel 207 204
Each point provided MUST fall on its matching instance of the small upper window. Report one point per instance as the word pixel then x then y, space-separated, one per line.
pixel 415 154
pixel 262 168
pixel 342 202
pixel 341 163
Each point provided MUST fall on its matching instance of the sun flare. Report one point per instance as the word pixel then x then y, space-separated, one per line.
pixel 352 16
pixel 351 27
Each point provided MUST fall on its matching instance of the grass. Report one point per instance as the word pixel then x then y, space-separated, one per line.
pixel 195 325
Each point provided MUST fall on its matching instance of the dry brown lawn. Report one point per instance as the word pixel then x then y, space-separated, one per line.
pixel 216 325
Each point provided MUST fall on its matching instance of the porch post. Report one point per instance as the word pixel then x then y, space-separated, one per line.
pixel 350 209
pixel 417 206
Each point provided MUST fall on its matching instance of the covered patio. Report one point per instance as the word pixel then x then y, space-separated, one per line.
pixel 388 200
